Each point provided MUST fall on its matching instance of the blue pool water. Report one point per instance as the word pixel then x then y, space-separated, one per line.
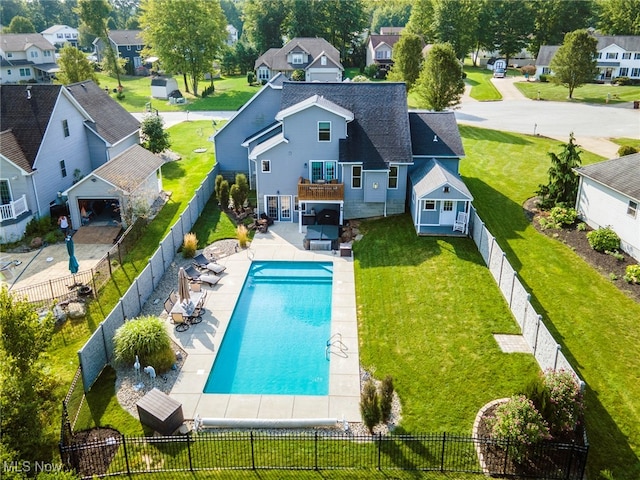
pixel 276 338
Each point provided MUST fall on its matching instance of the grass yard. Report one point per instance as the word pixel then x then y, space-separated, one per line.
pixel 482 89
pixel 230 94
pixel 632 142
pixel 589 93
pixel 596 324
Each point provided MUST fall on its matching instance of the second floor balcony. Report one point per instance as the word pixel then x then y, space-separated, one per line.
pixel 13 209
pixel 321 190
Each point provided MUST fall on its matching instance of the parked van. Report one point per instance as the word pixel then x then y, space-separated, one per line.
pixel 499 73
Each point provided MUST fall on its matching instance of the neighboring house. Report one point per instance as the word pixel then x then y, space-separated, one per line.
pixel 380 50
pixel 128 44
pixel 618 56
pixel 318 58
pixel 333 147
pixel 26 57
pixel 609 195
pixel 58 35
pixel 51 137
pixel 485 58
pixel 232 35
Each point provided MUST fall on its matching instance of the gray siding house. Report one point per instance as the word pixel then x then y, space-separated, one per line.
pixel 339 151
pixel 51 137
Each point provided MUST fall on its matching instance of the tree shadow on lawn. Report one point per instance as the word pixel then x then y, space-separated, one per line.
pixel 173 170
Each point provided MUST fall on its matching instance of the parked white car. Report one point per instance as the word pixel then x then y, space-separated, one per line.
pixel 499 73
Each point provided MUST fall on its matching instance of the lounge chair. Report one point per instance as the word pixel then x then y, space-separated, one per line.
pixel 210 280
pixel 203 262
pixel 192 273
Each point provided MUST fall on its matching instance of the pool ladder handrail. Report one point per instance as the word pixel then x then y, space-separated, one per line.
pixel 336 341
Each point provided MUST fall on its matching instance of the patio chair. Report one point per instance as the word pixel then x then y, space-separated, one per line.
pixel 210 280
pixel 204 263
pixel 192 273
pixel 168 305
pixel 181 322
pixel 461 222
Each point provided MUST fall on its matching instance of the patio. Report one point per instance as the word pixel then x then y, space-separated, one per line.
pixel 202 341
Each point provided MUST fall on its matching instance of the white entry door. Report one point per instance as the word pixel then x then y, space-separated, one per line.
pixel 447 212
pixel 279 207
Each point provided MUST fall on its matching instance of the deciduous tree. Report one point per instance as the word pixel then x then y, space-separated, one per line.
pixel 154 137
pixel 74 66
pixel 555 18
pixel 263 23
pixel 186 35
pixel 574 64
pixel 456 22
pixel 421 20
pixel 440 84
pixel 407 59
pixel 511 23
pixel 619 17
pixel 20 24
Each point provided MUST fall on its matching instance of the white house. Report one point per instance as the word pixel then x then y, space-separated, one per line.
pixel 609 195
pixel 26 57
pixel 58 35
pixel 232 35
pixel 618 56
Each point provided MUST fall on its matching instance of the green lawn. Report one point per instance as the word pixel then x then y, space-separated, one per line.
pixel 595 323
pixel 632 142
pixel 230 94
pixel 589 93
pixel 482 88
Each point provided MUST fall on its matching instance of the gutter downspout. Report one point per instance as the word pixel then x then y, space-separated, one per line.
pixel 35 191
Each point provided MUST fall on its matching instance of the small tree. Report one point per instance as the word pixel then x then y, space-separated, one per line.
pixel 236 196
pixel 407 59
pixel 20 24
pixel 298 75
pixel 562 188
pixel 369 405
pixel 243 187
pixel 251 78
pixel 74 66
pixel 440 84
pixel 574 64
pixel 223 196
pixel 219 180
pixel 154 137
pixel 386 398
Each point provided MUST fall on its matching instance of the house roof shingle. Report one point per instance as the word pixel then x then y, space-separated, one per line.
pixel 435 134
pixel 112 121
pixel 390 40
pixel 130 169
pixel 620 174
pixel 26 110
pixel 10 148
pixel 276 58
pixel 432 175
pixel 379 134
pixel 19 42
pixel 631 43
pixel 126 37
pixel 545 54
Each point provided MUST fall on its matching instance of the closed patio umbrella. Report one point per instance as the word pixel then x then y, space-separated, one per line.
pixel 73 261
pixel 183 286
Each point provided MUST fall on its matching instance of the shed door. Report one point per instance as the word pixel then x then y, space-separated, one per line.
pixel 447 212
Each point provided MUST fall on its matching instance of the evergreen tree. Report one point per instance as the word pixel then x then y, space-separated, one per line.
pixel 562 188
pixel 574 64
pixel 440 84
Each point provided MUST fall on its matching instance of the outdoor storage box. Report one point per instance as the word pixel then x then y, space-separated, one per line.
pixel 160 412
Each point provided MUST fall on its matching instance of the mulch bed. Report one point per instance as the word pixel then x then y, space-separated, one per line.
pixel 610 267
pixel 98 448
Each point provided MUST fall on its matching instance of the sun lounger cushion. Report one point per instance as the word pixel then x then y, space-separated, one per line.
pixel 210 279
pixel 216 268
pixel 201 260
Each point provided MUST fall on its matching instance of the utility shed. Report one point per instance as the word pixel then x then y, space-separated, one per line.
pixel 160 412
pixel 161 87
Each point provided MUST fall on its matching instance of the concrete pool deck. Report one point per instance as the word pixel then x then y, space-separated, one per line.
pixel 202 341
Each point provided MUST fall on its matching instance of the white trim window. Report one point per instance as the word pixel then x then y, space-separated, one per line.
pixel 297 58
pixel 5 192
pixel 624 71
pixel 263 73
pixel 612 55
pixel 265 166
pixel 429 205
pixel 626 56
pixel 65 128
pixel 323 170
pixel 25 72
pixel 635 72
pixel 632 209
pixel 636 56
pixel 356 176
pixel 63 169
pixel 393 177
pixel 324 131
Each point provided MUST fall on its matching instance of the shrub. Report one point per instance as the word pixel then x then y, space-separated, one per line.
pixel 626 150
pixel 39 227
pixel 298 75
pixel 189 245
pixel 369 405
pixel 371 70
pixel 251 78
pixel 236 196
pixel 603 239
pixel 582 227
pixel 360 78
pixel 615 254
pixel 528 70
pixel 219 180
pixel 537 391
pixel 543 78
pixel 243 189
pixel 622 81
pixel 632 274
pixel 386 398
pixel 243 235
pixel 565 398
pixel 563 216
pixel 518 422
pixel 223 198
pixel 146 337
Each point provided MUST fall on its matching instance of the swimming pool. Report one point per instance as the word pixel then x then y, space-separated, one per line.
pixel 276 339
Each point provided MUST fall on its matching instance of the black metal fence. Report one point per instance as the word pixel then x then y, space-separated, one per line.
pixel 443 452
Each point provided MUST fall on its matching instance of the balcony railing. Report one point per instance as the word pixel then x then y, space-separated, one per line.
pixel 316 191
pixel 13 209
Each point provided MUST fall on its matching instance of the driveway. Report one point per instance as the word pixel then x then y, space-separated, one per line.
pixel 591 124
pixel 173 118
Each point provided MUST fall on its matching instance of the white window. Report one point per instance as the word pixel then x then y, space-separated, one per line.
pixel 265 165
pixel 67 35
pixel 599 54
pixel 324 131
pixel 612 55
pixel 356 176
pixel 9 54
pixel 65 128
pixel 263 73
pixel 429 205
pixel 59 35
pixel 5 192
pixel 546 70
pixel 47 53
pixel 636 56
pixel 624 72
pixel 25 72
pixel 323 60
pixel 63 168
pixel 626 55
pixel 635 72
pixel 323 170
pixel 632 209
pixel 33 54
pixel 393 177
pixel 447 206
pixel 297 58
